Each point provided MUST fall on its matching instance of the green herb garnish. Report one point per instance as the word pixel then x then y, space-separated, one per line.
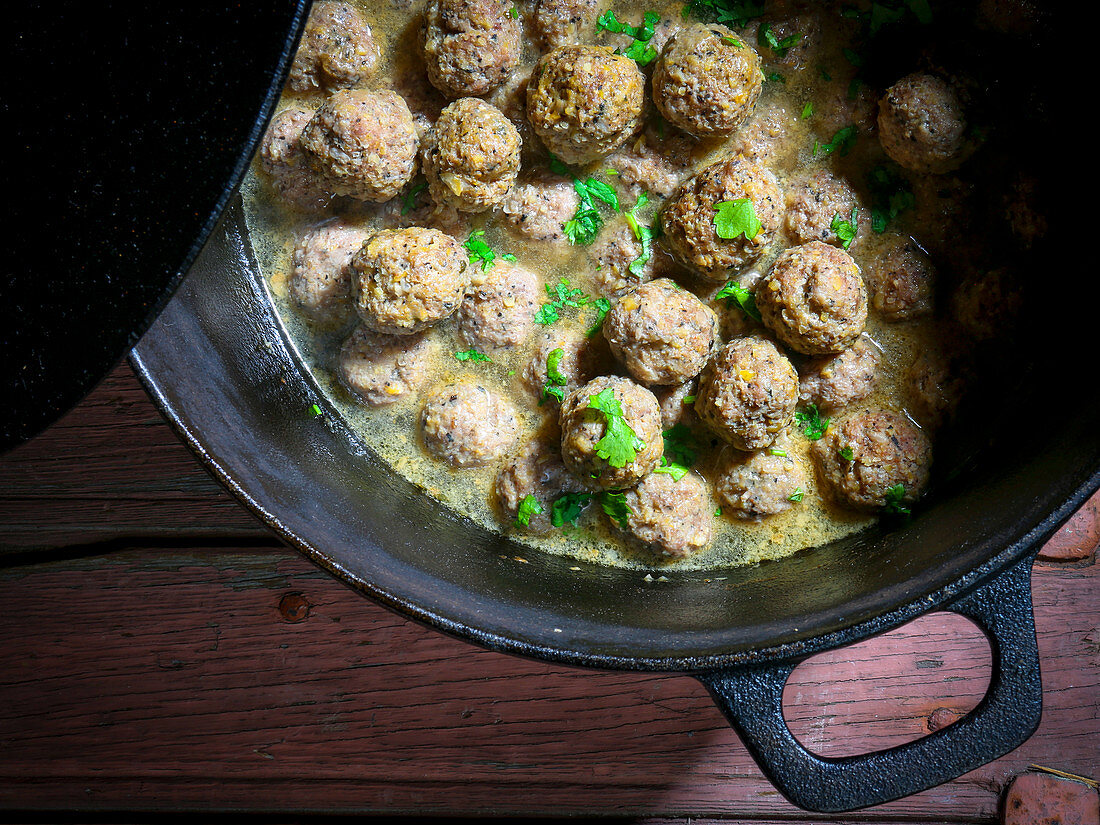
pixel 688 399
pixel 810 420
pixel 808 110
pixel 480 251
pixel 644 234
pixel 514 12
pixel 796 495
pixel 409 202
pixel 734 293
pixel 894 497
pixel 736 13
pixel 562 295
pixel 602 307
pixel 775 77
pixel 680 445
pixel 472 355
pixel 614 504
pixel 846 230
pixel 587 222
pixel 314 411
pixel 842 142
pixel 852 57
pixel 567 508
pixel 620 444
pixel 640 51
pixel 777 452
pixel 767 39
pixel 528 506
pixel 891 195
pixel 736 218
pixel 555 381
pixel 846 453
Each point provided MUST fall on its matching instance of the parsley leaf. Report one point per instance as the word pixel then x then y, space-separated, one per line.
pixel 842 142
pixel 736 13
pixel 602 191
pixel 614 504
pixel 777 452
pixel 846 453
pixel 894 498
pixel 808 110
pixel 846 230
pixel 602 307
pixel 567 508
pixel 645 235
pixel 555 381
pixel 514 12
pixel 620 444
pixel 680 444
pixel 472 355
pixel 562 295
pixel 810 420
pixel 767 39
pixel 528 506
pixel 314 411
pixel 587 222
pixel 640 50
pixel 409 202
pixel 733 292
pixel 797 495
pixel 735 218
pixel 480 251
pixel 891 195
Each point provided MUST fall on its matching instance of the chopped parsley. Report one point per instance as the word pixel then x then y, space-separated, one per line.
pixel 766 38
pixel 567 508
pixel 640 50
pixel 555 381
pixel 481 252
pixel 314 411
pixel 514 12
pixel 688 399
pixel 644 234
pixel 562 295
pixel 679 453
pixel 733 41
pixel 736 13
pixel 853 57
pixel 894 498
pixel 602 307
pixel 735 218
pixel 777 452
pixel 734 293
pixel 718 512
pixel 614 504
pixel 808 110
pixel 528 506
pixel 846 229
pixel 775 77
pixel 891 195
pixel 409 202
pixel 620 444
pixel 587 221
pixel 472 355
pixel 842 142
pixel 796 495
pixel 810 421
pixel 846 453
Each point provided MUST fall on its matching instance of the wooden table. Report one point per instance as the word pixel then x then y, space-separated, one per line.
pixel 162 651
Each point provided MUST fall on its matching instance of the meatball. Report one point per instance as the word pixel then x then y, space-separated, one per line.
pixel 922 125
pixel 863 458
pixel 583 427
pixel 762 483
pixel 320 278
pixel 379 368
pixel 834 381
pixel 407 279
pixel 707 80
pixel 282 159
pixel 576 364
pixel 655 163
pixel 937 380
pixel 669 517
pixel 747 393
pixel 537 471
pixel 804 25
pixel 688 217
pixel 615 253
pixel 765 138
pixel 986 304
pixel 814 202
pixel 471 155
pixel 500 313
pixel 583 101
pixel 336 51
pixel 677 404
pixel 561 22
pixel 901 280
pixel 661 333
pixel 814 299
pixel 470 46
pixel 467 425
pixel 538 208
pixel 363 144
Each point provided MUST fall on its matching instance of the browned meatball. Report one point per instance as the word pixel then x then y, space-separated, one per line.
pixel 747 393
pixel 363 144
pixel 336 51
pixel 577 363
pixel 407 279
pixel 814 201
pixel 661 333
pixel 677 404
pixel 688 217
pixel 538 208
pixel 902 280
pixel 865 456
pixel 293 181
pixel 654 163
pixel 467 425
pixel 834 381
pixel 669 517
pixel 561 22
pixel 922 124
pixel 615 252
pixel 500 313
pixel 583 101
pixel 762 483
pixel 707 80
pixel 470 46
pixel 987 304
pixel 320 277
pixel 379 368
pixel 537 471
pixel 471 155
pixel 814 299
pixel 765 137
pixel 583 427
pixel 937 380
pixel 803 21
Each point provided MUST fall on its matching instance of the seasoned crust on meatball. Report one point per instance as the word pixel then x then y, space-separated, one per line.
pixel 379 369
pixel 320 276
pixel 902 280
pixel 747 393
pixel 922 124
pixel 407 279
pixel 688 217
pixel 707 80
pixel 834 381
pixel 561 22
pixel 661 333
pixel 582 427
pixel 470 46
pixel 471 155
pixel 814 299
pixel 538 208
pixel 281 157
pixel 864 456
pixel 500 312
pixel 363 144
pixel 677 404
pixel 937 380
pixel 583 101
pixel 987 304
pixel 654 163
pixel 337 49
pixel 669 517
pixel 761 483
pixel 814 201
pixel 467 425
pixel 536 471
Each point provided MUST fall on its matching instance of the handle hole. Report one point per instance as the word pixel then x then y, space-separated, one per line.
pixel 889 690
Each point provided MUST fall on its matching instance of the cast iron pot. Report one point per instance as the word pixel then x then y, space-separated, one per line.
pixel 220 365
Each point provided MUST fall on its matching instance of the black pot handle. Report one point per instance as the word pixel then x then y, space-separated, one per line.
pixel 752 700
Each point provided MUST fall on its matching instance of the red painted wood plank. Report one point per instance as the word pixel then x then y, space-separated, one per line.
pixel 142 682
